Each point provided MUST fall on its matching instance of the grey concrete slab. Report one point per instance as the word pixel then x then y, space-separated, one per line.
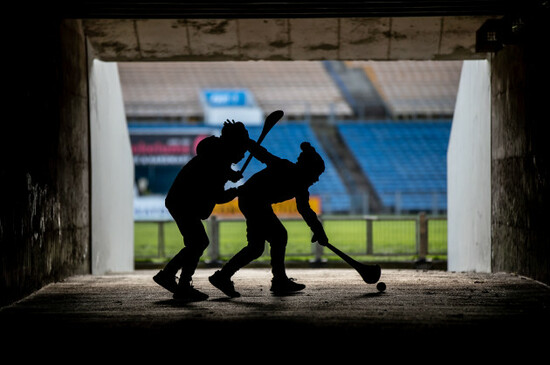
pixel 418 307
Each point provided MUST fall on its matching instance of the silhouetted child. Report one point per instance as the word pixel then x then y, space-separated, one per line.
pixel 197 188
pixel 281 180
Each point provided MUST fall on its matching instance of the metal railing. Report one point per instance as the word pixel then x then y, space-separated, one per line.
pixel 410 235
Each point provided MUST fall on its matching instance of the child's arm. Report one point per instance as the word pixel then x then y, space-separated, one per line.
pixel 310 217
pixel 261 154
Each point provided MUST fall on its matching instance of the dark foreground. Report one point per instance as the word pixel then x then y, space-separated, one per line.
pixel 422 309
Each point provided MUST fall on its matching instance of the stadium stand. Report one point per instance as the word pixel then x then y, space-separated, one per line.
pixel 414 89
pixel 405 161
pixel 171 89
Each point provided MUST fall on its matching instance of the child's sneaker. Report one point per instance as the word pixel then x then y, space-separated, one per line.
pixel 167 281
pixel 284 285
pixel 186 292
pixel 223 283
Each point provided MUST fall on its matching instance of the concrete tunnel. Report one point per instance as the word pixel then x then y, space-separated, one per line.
pixel 66 164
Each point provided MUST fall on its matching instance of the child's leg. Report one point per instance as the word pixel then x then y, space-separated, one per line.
pixel 249 253
pixel 173 266
pixel 278 238
pixel 255 233
pixel 196 241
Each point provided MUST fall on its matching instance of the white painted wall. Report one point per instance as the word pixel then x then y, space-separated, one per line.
pixel 469 172
pixel 112 173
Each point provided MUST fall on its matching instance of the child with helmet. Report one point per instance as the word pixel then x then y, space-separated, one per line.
pixel 197 188
pixel 280 180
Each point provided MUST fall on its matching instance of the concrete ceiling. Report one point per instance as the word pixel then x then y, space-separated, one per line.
pixel 418 38
pixel 141 30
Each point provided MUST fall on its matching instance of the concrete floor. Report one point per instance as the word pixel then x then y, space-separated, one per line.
pixel 418 308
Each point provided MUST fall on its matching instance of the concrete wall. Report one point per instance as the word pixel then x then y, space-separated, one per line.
pixel 45 209
pixel 112 173
pixel 520 77
pixel 469 172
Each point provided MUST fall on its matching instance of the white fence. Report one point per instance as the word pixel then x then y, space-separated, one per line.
pixel 359 235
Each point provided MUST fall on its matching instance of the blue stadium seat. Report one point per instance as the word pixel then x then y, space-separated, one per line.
pixel 284 141
pixel 405 161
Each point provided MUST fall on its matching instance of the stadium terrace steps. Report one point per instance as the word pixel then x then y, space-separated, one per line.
pixel 364 198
